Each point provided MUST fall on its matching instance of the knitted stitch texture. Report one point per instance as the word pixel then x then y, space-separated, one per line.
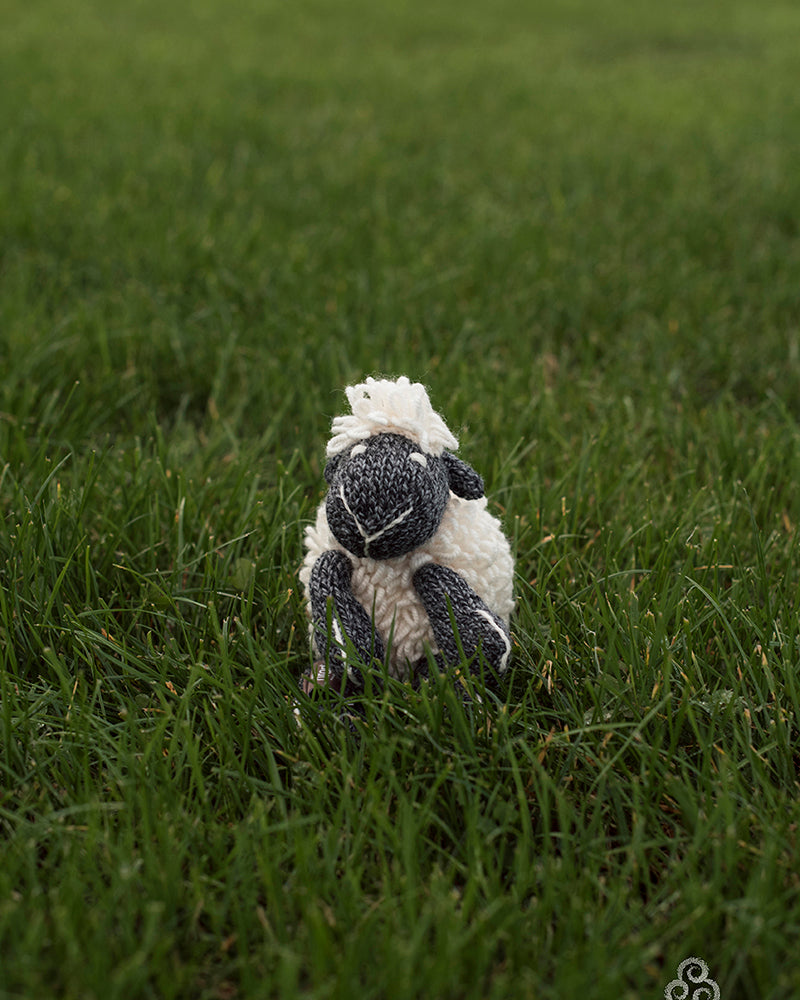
pixel 399 502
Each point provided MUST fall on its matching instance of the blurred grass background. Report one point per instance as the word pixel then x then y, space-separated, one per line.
pixel 578 225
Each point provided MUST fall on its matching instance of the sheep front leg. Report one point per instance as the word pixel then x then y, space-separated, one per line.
pixel 448 599
pixel 338 617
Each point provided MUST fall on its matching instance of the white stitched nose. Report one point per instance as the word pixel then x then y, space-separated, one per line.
pixel 382 531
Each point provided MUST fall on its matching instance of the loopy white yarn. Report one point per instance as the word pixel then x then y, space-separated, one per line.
pixel 383 406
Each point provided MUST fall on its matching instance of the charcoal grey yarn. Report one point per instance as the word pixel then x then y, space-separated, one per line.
pixel 386 496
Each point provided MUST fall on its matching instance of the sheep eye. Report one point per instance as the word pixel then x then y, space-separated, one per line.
pixel 417 456
pixel 359 449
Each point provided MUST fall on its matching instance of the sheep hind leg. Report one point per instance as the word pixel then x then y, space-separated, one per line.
pixel 344 637
pixel 449 601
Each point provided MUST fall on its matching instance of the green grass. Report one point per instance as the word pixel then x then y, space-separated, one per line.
pixel 577 223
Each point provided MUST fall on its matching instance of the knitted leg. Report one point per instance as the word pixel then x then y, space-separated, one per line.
pixel 448 599
pixel 343 634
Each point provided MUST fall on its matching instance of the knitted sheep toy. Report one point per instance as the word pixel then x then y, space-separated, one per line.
pixel 403 548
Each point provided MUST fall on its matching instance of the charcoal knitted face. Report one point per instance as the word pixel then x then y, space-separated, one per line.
pixel 386 496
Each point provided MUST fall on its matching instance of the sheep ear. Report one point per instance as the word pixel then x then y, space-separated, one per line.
pixel 464 480
pixel 331 466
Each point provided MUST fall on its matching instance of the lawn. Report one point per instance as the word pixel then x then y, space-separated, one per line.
pixel 578 223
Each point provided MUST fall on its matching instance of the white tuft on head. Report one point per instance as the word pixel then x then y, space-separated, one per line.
pixel 383 406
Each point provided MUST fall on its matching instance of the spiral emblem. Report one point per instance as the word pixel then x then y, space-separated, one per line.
pixel 692 982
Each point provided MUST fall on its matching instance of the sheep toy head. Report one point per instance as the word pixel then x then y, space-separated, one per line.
pixel 403 548
pixel 387 496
